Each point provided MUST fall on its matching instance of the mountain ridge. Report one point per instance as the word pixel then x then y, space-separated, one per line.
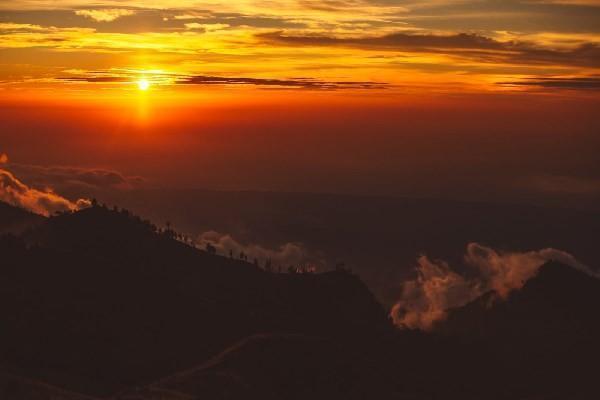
pixel 16 220
pixel 103 304
pixel 107 289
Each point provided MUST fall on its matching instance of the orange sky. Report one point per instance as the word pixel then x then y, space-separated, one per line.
pixel 511 147
pixel 102 46
pixel 469 98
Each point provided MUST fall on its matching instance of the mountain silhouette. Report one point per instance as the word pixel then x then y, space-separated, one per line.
pixel 99 300
pixel 101 304
pixel 549 329
pixel 16 220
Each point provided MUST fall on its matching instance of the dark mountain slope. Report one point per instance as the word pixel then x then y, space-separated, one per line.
pixel 14 387
pixel 268 367
pixel 102 303
pixel 97 301
pixel 271 367
pixel 16 220
pixel 559 301
pixel 546 333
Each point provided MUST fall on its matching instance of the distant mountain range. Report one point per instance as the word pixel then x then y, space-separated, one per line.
pixel 100 304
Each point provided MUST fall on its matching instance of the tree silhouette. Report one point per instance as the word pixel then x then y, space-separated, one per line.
pixel 210 249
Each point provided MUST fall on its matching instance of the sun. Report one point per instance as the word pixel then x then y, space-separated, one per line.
pixel 143 84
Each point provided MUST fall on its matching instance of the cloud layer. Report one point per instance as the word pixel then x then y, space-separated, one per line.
pixel 437 288
pixel 15 192
pixel 287 255
pixel 575 83
pixel 334 44
pixel 466 45
pixel 129 77
pixel 105 14
pixel 75 178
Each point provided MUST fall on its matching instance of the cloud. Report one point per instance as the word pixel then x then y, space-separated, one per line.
pixel 394 41
pixel 16 35
pixel 3 158
pixel 437 288
pixel 355 7
pixel 119 77
pixel 585 55
pixel 39 193
pixel 575 83
pixel 509 35
pixel 105 14
pixel 205 27
pixel 593 3
pixel 70 178
pixel 469 45
pixel 10 27
pixel 288 254
pixel 44 202
pixel 303 83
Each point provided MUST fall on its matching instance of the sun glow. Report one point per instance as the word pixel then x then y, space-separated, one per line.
pixel 143 84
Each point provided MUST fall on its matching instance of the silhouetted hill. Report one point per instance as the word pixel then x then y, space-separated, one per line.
pixel 98 300
pixel 16 220
pixel 548 330
pixel 14 387
pixel 557 298
pixel 101 304
pixel 269 367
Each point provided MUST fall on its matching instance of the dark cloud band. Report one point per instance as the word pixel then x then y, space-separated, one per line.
pixel 589 83
pixel 206 80
pixel 475 46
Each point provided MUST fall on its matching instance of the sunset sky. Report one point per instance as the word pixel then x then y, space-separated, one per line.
pixel 432 45
pixel 433 97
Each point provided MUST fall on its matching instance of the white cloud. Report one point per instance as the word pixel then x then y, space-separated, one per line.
pixel 105 14
pixel 437 288
pixel 206 27
pixel 44 202
pixel 286 255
